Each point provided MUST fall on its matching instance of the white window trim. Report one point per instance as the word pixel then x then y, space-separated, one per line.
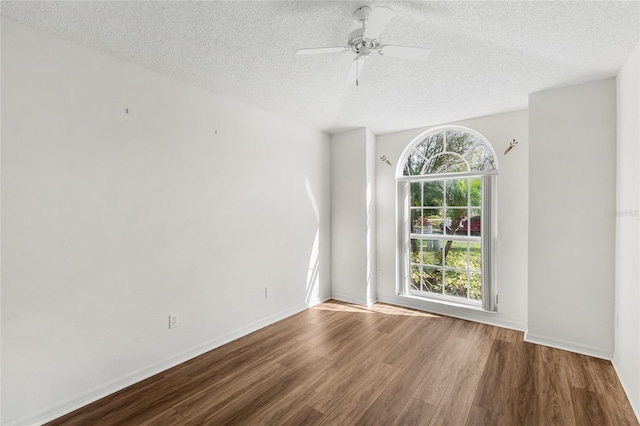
pixel 488 235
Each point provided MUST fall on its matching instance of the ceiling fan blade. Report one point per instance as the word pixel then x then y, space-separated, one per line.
pixel 378 21
pixel 356 69
pixel 405 52
pixel 315 50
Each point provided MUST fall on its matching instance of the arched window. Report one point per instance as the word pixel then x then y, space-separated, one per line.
pixel 446 181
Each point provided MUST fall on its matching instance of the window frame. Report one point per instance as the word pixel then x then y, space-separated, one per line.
pixel 488 234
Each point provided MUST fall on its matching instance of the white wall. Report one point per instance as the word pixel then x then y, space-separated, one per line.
pixel 190 203
pixel 350 236
pixel 371 161
pixel 626 357
pixel 572 163
pixel 512 219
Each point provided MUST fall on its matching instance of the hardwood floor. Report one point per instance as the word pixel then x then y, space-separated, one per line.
pixel 341 364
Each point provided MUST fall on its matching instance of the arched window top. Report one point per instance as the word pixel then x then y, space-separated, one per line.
pixel 447 150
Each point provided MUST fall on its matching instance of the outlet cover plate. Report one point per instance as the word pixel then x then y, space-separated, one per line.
pixel 174 320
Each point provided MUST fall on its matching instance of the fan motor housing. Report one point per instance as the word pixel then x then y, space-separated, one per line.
pixel 360 44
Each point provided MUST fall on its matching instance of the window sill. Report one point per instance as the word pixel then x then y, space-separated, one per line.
pixel 445 303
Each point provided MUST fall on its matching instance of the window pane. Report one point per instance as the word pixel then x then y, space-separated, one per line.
pixel 475 223
pixel 431 145
pixel 472 148
pixel 445 163
pixel 455 283
pixel 416 214
pixel 422 224
pixel 457 192
pixel 414 274
pixel 480 157
pixel 433 197
pixel 414 164
pixel 432 252
pixel 415 199
pixel 475 256
pixel 429 222
pixel 475 191
pixel 457 254
pixel 455 217
pixel 432 279
pixel 460 142
pixel 434 215
pixel 433 193
pixel 415 251
pixel 475 286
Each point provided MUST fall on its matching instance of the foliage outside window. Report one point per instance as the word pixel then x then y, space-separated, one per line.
pixel 446 188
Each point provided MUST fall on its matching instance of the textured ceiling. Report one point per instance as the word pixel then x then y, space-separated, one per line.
pixel 486 56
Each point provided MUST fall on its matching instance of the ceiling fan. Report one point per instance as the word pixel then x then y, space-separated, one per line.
pixel 366 39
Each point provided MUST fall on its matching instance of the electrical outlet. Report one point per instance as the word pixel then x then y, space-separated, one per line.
pixel 379 275
pixel 267 292
pixel 174 320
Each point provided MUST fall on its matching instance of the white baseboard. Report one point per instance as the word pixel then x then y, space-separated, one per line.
pixel 60 409
pixel 350 299
pixel 321 299
pixel 464 313
pixel 634 404
pixel 568 346
pixel 325 298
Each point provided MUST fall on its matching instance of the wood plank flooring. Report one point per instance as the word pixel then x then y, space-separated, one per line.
pixel 342 364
